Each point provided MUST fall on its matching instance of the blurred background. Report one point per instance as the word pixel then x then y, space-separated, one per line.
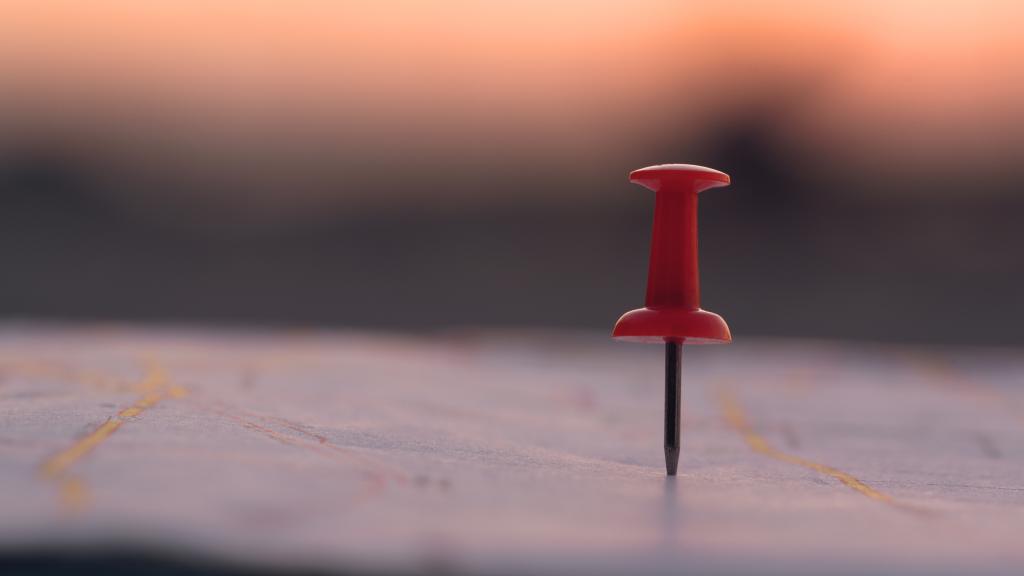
pixel 426 165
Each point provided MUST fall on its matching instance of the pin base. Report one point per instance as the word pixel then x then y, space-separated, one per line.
pixel 660 325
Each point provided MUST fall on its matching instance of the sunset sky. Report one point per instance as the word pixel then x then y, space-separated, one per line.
pixel 218 90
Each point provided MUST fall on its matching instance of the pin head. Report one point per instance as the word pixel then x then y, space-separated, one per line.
pixel 672 310
pixel 679 178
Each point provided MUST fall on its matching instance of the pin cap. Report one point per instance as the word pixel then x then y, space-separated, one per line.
pixel 672 309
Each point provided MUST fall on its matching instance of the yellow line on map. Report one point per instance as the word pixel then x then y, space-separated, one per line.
pixel 74 492
pixel 736 417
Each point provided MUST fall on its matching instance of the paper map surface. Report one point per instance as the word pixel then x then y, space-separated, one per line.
pixel 500 453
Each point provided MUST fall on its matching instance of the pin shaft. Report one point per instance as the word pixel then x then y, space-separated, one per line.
pixel 673 401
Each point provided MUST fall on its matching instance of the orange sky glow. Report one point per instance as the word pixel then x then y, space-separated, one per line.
pixel 884 82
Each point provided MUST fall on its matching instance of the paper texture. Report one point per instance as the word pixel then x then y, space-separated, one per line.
pixel 500 453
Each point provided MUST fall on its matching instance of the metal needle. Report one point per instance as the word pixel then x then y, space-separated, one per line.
pixel 673 401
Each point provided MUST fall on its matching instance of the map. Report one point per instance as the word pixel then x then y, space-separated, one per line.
pixel 509 452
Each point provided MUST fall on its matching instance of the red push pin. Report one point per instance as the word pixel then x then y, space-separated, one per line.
pixel 672 309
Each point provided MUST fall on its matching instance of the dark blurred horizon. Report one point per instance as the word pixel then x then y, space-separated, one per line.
pixel 347 165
